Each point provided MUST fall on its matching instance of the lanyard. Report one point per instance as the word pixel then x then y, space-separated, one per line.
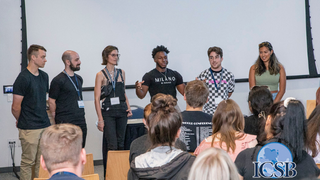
pixel 113 81
pixel 73 83
pixel 215 84
pixel 64 173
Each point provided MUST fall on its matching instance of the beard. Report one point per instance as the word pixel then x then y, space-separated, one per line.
pixel 161 66
pixel 74 68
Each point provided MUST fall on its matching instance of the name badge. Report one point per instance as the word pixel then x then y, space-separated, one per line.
pixel 218 100
pixel 115 100
pixel 81 104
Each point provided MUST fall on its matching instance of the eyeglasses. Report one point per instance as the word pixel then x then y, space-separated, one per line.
pixel 115 55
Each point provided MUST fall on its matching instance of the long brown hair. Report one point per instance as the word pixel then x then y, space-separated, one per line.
pixel 313 126
pixel 226 122
pixel 274 65
pixel 164 120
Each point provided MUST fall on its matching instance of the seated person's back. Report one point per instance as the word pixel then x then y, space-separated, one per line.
pixel 163 161
pixel 227 130
pixel 196 125
pixel 143 144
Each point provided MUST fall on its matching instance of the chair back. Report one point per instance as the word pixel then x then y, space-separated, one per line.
pixel 311 104
pixel 117 165
pixel 87 169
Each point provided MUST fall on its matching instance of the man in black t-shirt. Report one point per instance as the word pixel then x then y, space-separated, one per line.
pixel 65 95
pixel 161 79
pixel 29 109
pixel 196 125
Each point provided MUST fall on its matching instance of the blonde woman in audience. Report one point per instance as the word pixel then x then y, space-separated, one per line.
pixel 227 131
pixel 213 163
pixel 163 160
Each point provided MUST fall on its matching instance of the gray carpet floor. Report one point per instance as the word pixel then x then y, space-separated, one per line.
pixel 11 175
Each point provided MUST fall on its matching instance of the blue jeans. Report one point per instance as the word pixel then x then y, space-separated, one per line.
pixel 274 95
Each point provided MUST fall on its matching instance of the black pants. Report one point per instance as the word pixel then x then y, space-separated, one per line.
pixel 113 133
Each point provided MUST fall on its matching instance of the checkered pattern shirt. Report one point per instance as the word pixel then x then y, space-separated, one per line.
pixel 227 86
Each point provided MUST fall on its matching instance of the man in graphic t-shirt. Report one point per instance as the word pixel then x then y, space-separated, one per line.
pixel 161 79
pixel 196 125
pixel 65 94
pixel 218 79
pixel 29 109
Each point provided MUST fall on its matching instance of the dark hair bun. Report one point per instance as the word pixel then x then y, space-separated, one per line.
pixel 163 103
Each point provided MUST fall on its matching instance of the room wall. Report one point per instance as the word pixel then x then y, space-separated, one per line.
pixel 10 58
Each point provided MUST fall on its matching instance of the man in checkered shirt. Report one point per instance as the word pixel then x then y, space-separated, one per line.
pixel 219 80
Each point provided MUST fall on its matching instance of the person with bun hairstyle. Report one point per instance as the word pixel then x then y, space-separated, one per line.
pixel 227 131
pixel 143 143
pixel 213 163
pixel 285 124
pixel 268 71
pixel 163 160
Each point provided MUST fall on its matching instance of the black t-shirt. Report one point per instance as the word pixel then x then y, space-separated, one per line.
pixel 196 126
pixel 306 168
pixel 33 106
pixel 165 82
pixel 66 96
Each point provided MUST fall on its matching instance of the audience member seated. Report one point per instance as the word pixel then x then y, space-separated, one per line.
pixel 163 160
pixel 142 144
pixel 313 134
pixel 213 163
pixel 62 152
pixel 227 131
pixel 196 125
pixel 260 100
pixel 285 124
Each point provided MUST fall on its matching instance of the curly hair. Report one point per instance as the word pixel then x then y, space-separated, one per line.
pixel 274 64
pixel 160 48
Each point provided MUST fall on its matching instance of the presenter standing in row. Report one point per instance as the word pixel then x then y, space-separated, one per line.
pixel 161 79
pixel 65 94
pixel 267 71
pixel 219 80
pixel 114 111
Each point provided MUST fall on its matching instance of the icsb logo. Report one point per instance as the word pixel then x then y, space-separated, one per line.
pixel 274 160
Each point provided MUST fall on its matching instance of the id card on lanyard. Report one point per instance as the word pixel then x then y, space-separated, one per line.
pixel 218 99
pixel 80 101
pixel 114 100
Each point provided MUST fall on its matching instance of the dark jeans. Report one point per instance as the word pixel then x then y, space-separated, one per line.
pixel 113 133
pixel 84 133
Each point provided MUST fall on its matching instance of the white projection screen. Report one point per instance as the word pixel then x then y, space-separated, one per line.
pixel 187 27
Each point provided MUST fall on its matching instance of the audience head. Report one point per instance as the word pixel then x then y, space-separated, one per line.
pixel 107 52
pixel 266 54
pixel 164 121
pixel 61 147
pixel 196 93
pixel 227 120
pixel 213 163
pixel 215 49
pixel 286 121
pixel 313 125
pixel 260 100
pixel 159 49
